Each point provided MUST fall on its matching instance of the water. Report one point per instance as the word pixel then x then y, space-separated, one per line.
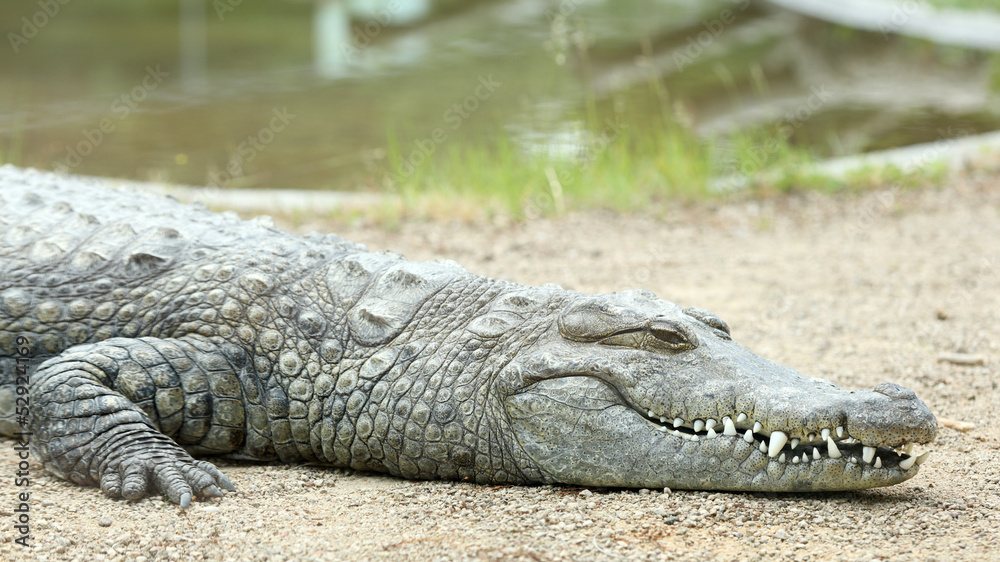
pixel 256 95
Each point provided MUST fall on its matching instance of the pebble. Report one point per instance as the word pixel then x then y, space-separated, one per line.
pixel 964 359
pixel 867 301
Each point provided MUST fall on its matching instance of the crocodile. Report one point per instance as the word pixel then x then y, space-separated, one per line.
pixel 138 333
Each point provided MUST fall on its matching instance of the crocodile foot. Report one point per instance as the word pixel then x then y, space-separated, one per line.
pixel 163 468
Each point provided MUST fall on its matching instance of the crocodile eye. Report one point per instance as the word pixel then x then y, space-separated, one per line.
pixel 590 319
pixel 672 335
pixel 595 320
pixel 660 335
pixel 669 337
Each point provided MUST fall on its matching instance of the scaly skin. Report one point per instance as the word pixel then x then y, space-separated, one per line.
pixel 153 331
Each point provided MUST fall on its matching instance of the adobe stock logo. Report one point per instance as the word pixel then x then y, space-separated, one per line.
pixel 247 150
pixel 121 108
pixel 454 116
pixel 48 9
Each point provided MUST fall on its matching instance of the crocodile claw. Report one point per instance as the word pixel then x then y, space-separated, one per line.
pixel 221 479
pixel 168 470
pixel 212 492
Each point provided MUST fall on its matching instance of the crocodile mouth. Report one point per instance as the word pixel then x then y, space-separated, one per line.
pixel 794 447
pixel 579 427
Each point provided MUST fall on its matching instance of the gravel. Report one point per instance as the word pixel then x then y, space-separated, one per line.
pixel 855 288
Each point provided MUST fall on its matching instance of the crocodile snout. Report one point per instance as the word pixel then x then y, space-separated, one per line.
pixel 891 415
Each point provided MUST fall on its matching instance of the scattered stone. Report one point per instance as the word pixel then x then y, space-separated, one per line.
pixel 104 521
pixel 965 359
pixel 956 425
pixel 368 516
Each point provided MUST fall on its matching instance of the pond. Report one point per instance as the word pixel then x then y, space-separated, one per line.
pixel 320 95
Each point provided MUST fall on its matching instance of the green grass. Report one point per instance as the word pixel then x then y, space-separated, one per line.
pixel 642 168
pixel 994 73
pixel 10 151
pixel 623 168
pixel 621 171
pixel 971 5
pixel 987 5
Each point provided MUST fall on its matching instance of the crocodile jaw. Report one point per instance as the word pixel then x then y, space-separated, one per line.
pixel 718 417
pixel 609 443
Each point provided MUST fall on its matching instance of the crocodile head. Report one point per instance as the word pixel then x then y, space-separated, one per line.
pixel 629 390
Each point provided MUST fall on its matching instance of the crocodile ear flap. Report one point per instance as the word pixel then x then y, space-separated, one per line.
pixel 591 319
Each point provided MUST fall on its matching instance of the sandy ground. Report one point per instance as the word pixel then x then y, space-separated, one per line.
pixel 859 289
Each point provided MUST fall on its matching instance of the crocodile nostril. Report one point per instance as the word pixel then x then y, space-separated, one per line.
pixel 893 390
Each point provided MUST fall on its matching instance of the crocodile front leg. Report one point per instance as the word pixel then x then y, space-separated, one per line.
pixel 105 413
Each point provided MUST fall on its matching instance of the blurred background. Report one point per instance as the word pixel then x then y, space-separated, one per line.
pixel 512 106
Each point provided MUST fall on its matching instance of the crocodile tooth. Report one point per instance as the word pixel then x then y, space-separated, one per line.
pixel 677 433
pixel 840 431
pixel 781 458
pixel 816 454
pixel 869 454
pixel 709 423
pixel 651 414
pixel 825 434
pixel 923 457
pixel 832 449
pixel 795 460
pixel 698 425
pixel 694 437
pixel 730 427
pixel 663 419
pixel 741 418
pixel 778 440
pixel 763 447
pixel 853 460
pixel 712 434
pixel 678 422
pixel 878 462
pixel 805 457
pixel 811 437
pixel 908 448
pixel 748 436
pixel 662 428
pixel 757 426
pixel 795 443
